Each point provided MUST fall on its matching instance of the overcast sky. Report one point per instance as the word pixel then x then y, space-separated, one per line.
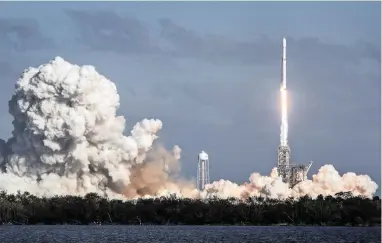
pixel 211 73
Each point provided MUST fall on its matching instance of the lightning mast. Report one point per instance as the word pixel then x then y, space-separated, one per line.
pixel 203 173
pixel 283 159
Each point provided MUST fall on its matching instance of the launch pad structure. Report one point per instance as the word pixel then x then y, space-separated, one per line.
pixel 290 173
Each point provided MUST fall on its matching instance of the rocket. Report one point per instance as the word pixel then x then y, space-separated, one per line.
pixel 283 66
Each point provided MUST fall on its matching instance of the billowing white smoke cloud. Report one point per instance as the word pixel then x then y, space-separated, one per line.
pixel 67 136
pixel 326 182
pixel 67 139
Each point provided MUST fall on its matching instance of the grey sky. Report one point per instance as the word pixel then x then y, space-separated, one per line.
pixel 211 73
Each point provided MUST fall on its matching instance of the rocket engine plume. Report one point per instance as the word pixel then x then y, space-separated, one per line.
pixel 67 139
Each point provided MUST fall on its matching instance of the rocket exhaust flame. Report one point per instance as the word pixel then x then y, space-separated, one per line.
pixel 284 118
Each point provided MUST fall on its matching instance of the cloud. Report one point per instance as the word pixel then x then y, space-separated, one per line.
pixel 224 49
pixel 105 30
pixel 108 31
pixel 22 34
pixel 216 48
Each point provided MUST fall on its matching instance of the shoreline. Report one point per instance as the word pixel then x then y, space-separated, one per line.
pixel 194 225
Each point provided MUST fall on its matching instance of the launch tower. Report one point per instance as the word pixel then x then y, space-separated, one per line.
pixel 290 173
pixel 203 173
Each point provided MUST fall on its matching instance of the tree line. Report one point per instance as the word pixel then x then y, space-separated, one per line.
pixel 342 209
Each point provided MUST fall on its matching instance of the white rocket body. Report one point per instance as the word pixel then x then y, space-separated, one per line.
pixel 283 66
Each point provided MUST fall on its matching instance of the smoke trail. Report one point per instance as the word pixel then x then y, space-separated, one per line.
pixel 67 139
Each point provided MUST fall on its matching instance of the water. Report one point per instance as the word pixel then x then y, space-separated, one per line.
pixel 173 234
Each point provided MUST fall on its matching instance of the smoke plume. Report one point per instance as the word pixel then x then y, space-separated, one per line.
pixel 326 182
pixel 67 139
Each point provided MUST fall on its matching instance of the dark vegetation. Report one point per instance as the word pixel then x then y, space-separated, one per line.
pixel 343 209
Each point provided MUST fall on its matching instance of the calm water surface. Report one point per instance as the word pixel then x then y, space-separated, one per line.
pixel 172 234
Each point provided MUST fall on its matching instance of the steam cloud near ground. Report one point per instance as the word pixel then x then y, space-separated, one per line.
pixel 67 139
